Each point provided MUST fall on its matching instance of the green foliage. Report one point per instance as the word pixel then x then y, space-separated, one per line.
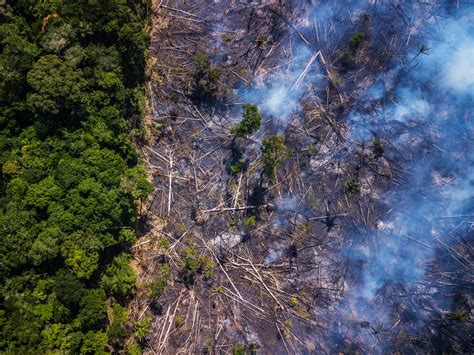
pixel 57 338
pixel 294 302
pixel 356 41
pixel 238 166
pixel 206 78
pixel 457 316
pixel 93 312
pixel 68 289
pixel 70 97
pixel 178 320
pixel 194 264
pixel 377 148
pixel 233 222
pixel 253 349
pixel 239 349
pixel 261 39
pixel 117 330
pixel 348 57
pixel 94 343
pixel 250 221
pixel 133 349
pixel 142 328
pixel 17 56
pixel 57 86
pixel 251 122
pixel 188 255
pixel 159 284
pixel 273 152
pixel 119 279
pixel 352 187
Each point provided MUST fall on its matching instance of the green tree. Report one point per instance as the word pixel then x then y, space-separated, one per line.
pixel 119 278
pixel 251 122
pixel 58 86
pixel 68 289
pixel 93 312
pixel 273 152
pixel 117 330
pixel 46 246
pixel 94 343
pixel 56 338
pixel 377 148
pixel 135 183
pixel 17 56
pixel 206 78
pixel 81 252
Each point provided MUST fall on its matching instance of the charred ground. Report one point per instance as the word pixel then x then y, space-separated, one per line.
pixel 331 253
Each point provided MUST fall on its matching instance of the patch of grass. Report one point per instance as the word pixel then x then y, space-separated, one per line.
pixel 180 227
pixel 164 244
pixel 239 349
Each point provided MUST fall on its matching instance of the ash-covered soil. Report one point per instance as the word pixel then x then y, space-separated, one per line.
pixel 361 242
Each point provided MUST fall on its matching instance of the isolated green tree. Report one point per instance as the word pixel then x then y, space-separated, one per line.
pixel 251 122
pixel 273 152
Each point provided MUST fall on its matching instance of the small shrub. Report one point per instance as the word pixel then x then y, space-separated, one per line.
pixel 178 320
pixel 352 187
pixel 238 166
pixel 239 349
pixel 142 328
pixel 194 264
pixel 158 286
pixel 206 266
pixel 356 41
pixel 233 222
pixel 457 316
pixel 377 148
pixel 294 302
pixel 250 221
pixel 164 244
pixel 253 349
pixel 174 98
pixel 261 39
pixel 180 227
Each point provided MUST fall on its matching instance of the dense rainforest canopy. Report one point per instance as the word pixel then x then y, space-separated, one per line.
pixel 71 101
